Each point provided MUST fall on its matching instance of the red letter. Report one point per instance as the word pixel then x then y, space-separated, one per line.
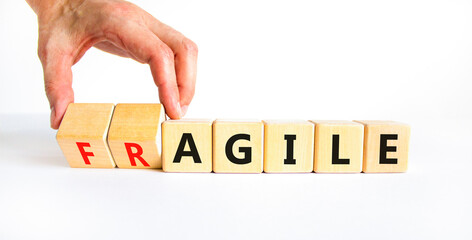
pixel 84 154
pixel 137 154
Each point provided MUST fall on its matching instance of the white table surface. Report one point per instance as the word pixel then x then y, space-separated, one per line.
pixel 41 197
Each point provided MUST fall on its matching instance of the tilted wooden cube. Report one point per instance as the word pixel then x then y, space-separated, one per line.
pixel 134 136
pixel 386 146
pixel 338 146
pixel 82 135
pixel 237 146
pixel 187 145
pixel 288 146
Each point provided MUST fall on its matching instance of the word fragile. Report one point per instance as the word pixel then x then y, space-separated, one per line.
pixel 95 135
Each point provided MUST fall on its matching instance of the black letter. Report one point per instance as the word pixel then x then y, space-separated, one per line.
pixel 335 155
pixel 193 149
pixel 384 148
pixel 245 150
pixel 290 139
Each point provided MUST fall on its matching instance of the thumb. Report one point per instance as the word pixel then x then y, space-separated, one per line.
pixel 58 84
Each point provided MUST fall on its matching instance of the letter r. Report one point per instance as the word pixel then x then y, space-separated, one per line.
pixel 133 155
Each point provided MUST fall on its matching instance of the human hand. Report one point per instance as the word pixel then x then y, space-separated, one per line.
pixel 68 28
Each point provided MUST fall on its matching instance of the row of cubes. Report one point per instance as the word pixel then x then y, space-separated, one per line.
pixel 95 135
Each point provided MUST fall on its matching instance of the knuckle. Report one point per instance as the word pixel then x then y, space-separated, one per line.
pixel 117 16
pixel 122 8
pixel 121 11
pixel 189 46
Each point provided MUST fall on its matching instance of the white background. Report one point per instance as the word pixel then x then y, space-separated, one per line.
pixel 409 61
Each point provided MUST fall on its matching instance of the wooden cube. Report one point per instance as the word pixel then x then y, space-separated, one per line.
pixel 237 146
pixel 187 145
pixel 288 146
pixel 82 135
pixel 134 137
pixel 338 146
pixel 385 146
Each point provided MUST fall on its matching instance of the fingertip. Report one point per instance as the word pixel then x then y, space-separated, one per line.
pixel 174 111
pixel 58 109
pixel 56 118
pixel 54 124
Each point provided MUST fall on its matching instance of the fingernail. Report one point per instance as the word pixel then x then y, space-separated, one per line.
pixel 184 109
